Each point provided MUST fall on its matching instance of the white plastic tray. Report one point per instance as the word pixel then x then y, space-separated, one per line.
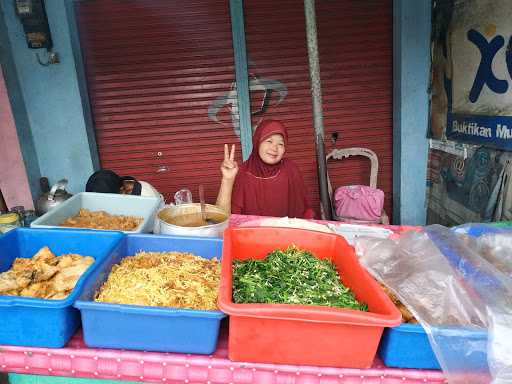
pixel 114 204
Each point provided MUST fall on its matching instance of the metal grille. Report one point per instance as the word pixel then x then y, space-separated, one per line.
pixel 355 47
pixel 155 66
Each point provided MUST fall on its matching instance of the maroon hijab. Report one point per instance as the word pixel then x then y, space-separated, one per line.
pixel 269 190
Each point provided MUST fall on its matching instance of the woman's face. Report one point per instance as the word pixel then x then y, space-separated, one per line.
pixel 127 187
pixel 272 149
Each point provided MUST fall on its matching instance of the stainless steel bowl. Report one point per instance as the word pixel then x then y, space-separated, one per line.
pixel 175 220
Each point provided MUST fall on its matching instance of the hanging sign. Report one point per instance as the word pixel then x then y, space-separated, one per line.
pixel 471 98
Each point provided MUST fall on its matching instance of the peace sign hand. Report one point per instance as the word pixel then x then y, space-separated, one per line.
pixel 229 166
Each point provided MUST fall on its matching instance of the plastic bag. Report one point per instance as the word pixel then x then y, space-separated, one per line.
pixel 493 243
pixel 422 278
pixel 450 288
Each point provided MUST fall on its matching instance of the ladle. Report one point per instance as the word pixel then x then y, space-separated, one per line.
pixel 203 208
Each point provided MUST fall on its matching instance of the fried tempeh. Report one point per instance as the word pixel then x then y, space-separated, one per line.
pixel 44 275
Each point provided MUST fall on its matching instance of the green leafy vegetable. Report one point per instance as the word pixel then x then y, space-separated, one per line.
pixel 294 276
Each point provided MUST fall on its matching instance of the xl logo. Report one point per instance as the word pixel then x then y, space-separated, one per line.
pixel 485 75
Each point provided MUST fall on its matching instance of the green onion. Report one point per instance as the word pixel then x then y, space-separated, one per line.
pixel 293 276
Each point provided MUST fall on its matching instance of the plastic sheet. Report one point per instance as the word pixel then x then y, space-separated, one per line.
pixel 448 286
pixel 493 243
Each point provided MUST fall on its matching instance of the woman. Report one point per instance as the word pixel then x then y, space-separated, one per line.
pixel 107 181
pixel 266 184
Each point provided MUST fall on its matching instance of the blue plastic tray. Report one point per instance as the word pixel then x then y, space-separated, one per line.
pixel 407 346
pixel 39 322
pixel 161 329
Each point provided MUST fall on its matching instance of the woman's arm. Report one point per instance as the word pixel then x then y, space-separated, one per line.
pixel 224 196
pixel 229 169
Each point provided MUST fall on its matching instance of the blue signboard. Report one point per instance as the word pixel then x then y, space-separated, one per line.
pixel 471 97
pixel 493 131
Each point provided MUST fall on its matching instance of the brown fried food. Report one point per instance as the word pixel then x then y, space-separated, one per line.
pixel 67 277
pixel 102 220
pixel 23 279
pixel 14 292
pixel 40 267
pixel 58 295
pixel 8 282
pixel 34 271
pixel 37 289
pixel 407 316
pixel 44 275
pixel 44 255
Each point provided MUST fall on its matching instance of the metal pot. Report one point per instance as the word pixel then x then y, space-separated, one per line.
pixel 175 220
pixel 52 198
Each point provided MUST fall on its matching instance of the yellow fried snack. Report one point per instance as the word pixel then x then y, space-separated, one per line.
pixel 44 275
pixel 407 316
pixel 102 220
pixel 163 279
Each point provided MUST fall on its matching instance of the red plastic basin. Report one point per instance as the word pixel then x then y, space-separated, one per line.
pixel 302 334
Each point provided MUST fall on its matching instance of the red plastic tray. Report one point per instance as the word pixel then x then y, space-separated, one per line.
pixel 299 334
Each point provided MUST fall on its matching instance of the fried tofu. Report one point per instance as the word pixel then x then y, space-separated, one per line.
pixel 8 282
pixel 44 275
pixel 67 277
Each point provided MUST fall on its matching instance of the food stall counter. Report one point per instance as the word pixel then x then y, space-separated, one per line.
pixel 76 360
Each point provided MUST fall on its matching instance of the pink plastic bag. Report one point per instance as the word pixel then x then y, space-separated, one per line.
pixel 359 202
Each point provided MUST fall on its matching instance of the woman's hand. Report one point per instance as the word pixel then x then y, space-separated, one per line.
pixel 229 166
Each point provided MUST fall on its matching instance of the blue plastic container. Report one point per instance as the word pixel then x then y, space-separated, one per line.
pixel 40 322
pixel 147 328
pixel 407 346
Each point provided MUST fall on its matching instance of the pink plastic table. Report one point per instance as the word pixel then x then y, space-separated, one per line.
pixel 76 360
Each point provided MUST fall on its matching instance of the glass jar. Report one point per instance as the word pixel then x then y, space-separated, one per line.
pixel 9 221
pixel 28 217
pixel 183 196
pixel 20 210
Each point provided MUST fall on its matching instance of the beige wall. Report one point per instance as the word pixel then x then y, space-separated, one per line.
pixel 13 177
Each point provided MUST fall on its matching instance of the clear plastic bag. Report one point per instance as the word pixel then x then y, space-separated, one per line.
pixel 493 243
pixel 494 246
pixel 461 299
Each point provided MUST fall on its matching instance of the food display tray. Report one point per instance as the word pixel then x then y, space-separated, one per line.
pixel 114 204
pixel 108 325
pixel 407 346
pixel 40 322
pixel 300 334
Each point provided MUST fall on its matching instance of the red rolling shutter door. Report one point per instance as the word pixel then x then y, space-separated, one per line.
pixel 356 61
pixel 355 48
pixel 153 67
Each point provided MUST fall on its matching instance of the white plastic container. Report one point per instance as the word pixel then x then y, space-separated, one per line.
pixel 114 204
